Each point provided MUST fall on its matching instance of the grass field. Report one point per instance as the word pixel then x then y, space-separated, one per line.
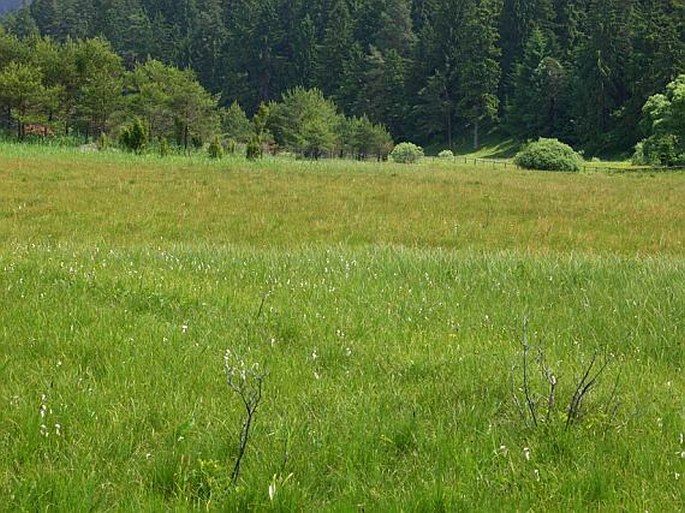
pixel 386 305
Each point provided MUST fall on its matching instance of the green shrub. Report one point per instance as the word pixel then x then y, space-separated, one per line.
pixel 235 123
pixel 254 149
pixel 164 148
pixel 215 149
pixel 659 150
pixel 231 146
pixel 663 121
pixel 133 136
pixel 549 155
pixel 196 141
pixel 446 154
pixel 406 153
pixel 103 142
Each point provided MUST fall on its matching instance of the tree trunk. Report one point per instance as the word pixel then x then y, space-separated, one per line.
pixel 449 128
pixel 475 134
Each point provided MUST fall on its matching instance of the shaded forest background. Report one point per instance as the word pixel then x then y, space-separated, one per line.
pixel 431 71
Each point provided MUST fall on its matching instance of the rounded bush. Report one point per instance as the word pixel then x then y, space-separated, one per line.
pixel 406 153
pixel 446 154
pixel 549 155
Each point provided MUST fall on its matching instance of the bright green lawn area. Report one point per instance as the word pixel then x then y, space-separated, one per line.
pixel 386 304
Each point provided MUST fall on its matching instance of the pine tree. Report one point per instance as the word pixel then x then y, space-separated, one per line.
pixel 340 59
pixel 517 20
pixel 601 86
pixel 479 69
pixel 537 107
pixel 383 98
pixel 24 96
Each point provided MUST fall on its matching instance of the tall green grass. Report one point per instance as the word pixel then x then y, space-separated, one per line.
pixel 389 349
pixel 119 199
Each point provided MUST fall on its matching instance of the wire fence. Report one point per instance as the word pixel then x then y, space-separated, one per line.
pixel 488 162
pixel 634 169
pixel 493 163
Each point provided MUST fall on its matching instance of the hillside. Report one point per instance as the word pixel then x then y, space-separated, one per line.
pixel 8 5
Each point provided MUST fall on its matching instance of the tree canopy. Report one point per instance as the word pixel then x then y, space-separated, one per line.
pixel 429 70
pixel 663 120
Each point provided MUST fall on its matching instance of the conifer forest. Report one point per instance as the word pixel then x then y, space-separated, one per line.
pixel 430 71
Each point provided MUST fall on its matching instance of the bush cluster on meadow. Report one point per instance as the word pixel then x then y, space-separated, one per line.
pixel 548 155
pixel 406 153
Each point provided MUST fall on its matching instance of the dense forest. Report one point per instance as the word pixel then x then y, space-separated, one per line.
pixel 429 70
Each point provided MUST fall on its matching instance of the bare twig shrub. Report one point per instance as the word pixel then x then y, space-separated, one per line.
pixel 247 384
pixel 535 396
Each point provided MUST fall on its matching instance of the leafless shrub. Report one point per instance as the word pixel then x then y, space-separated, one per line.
pixel 538 407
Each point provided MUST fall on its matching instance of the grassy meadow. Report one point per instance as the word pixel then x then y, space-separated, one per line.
pixel 385 304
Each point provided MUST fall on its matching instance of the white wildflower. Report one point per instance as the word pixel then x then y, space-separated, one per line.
pixel 272 489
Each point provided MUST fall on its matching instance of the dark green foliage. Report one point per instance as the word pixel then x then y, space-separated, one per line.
pixel 478 65
pixel 406 153
pixel 540 87
pixel 601 84
pixel 384 98
pixel 133 136
pixel 549 155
